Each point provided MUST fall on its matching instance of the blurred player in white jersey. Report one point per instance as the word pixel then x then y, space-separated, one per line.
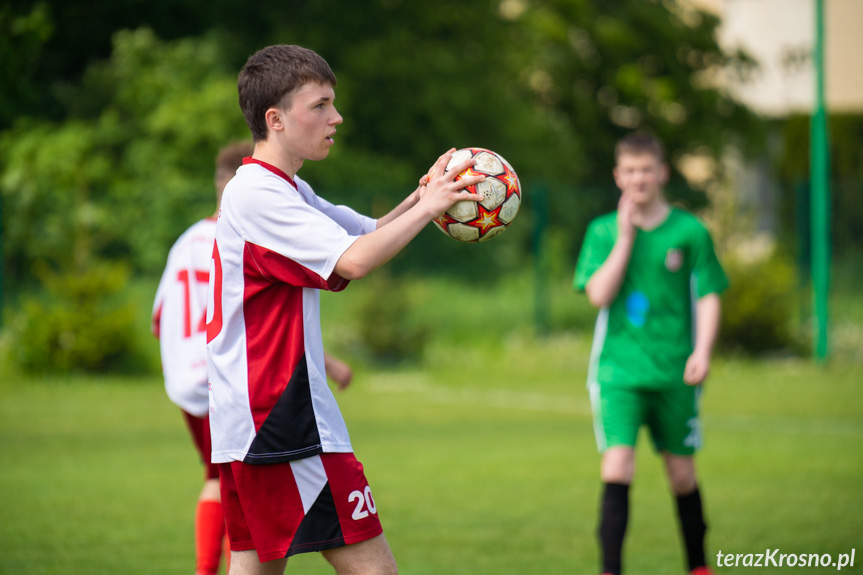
pixel 179 321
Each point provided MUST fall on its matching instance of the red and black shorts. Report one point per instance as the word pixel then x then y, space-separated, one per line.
pixel 311 504
pixel 199 427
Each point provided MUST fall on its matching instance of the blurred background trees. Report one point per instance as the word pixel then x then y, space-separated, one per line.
pixel 112 112
pixel 116 115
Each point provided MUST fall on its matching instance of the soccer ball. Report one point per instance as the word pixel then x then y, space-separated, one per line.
pixel 470 221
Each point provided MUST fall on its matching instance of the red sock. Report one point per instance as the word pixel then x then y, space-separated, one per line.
pixel 209 532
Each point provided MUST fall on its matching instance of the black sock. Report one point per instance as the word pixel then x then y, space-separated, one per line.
pixel 691 514
pixel 614 513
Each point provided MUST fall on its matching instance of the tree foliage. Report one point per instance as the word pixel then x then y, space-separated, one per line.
pixel 131 164
pixel 846 174
pixel 111 152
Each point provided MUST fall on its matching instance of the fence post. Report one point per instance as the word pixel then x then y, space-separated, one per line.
pixel 820 159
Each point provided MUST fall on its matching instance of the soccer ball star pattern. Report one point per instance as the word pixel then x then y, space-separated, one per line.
pixel 481 221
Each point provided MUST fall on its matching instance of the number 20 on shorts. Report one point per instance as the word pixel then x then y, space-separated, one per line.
pixel 365 503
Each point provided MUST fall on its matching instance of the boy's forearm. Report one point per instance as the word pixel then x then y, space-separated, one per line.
pixel 374 249
pixel 708 310
pixel 605 283
pixel 400 226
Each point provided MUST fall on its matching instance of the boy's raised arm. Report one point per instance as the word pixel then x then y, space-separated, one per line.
pixel 605 282
pixel 401 225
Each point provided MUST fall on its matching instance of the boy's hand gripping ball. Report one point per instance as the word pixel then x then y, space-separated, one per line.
pixel 480 221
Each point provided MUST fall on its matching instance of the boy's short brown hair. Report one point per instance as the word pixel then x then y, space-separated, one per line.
pixel 270 77
pixel 640 143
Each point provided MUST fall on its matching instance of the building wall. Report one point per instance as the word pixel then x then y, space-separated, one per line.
pixel 779 35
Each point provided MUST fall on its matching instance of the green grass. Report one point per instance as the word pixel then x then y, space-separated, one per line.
pixel 479 448
pixel 481 458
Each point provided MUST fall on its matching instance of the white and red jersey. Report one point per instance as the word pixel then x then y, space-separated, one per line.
pixel 277 244
pixel 179 317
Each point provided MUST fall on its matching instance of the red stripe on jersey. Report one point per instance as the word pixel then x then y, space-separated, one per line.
pixel 272 168
pixel 156 326
pixel 273 313
pixel 274 267
pixel 214 326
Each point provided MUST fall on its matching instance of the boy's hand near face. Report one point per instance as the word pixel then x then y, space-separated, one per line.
pixel 625 207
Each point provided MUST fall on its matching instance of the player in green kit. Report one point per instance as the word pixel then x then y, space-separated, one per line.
pixel 652 271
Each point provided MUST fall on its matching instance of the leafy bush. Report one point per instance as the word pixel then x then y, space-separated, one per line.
pixel 80 322
pixel 386 331
pixel 759 307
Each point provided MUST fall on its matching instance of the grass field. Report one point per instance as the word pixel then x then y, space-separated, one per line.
pixel 480 450
pixel 481 458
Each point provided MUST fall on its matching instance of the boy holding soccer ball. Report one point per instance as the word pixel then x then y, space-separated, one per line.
pixel 178 322
pixel 652 271
pixel 289 480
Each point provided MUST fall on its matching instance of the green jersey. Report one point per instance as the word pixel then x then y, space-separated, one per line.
pixel 645 336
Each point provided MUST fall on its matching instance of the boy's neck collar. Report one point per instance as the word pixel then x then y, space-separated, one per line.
pixel 270 167
pixel 651 216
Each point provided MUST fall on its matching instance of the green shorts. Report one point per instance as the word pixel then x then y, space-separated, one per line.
pixel 671 414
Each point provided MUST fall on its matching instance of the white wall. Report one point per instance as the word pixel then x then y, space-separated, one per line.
pixel 780 35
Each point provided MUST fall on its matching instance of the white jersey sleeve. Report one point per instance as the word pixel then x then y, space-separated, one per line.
pixel 179 318
pixel 293 225
pixel 353 222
